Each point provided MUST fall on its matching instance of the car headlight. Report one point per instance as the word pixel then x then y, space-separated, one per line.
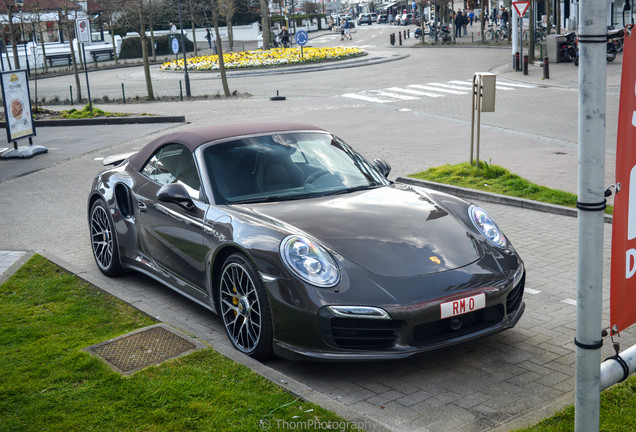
pixel 309 261
pixel 487 226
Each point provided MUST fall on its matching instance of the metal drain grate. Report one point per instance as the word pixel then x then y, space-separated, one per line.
pixel 145 347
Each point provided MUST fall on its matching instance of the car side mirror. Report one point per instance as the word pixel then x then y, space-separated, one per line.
pixel 383 167
pixel 177 194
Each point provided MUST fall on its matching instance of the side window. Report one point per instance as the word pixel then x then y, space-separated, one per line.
pixel 174 163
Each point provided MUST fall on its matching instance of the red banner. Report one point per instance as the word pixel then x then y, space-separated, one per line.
pixel 623 276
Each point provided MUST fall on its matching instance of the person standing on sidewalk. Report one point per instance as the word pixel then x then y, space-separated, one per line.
pixel 459 22
pixel 465 22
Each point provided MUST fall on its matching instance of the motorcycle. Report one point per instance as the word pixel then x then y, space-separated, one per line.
pixel 569 48
pixel 613 47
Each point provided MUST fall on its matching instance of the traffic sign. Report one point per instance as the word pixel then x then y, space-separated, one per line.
pixel 302 37
pixel 175 44
pixel 521 7
pixel 83 30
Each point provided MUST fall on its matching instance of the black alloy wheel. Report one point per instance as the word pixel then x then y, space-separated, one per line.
pixel 244 308
pixel 104 240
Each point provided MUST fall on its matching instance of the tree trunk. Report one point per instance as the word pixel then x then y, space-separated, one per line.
pixel 144 53
pixel 194 30
pixel 265 24
pixel 219 48
pixel 230 34
pixel 112 36
pixel 78 85
pixel 14 45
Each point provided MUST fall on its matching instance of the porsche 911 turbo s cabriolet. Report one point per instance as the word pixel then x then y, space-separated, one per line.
pixel 302 247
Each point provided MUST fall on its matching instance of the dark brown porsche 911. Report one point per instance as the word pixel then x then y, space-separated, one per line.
pixel 304 248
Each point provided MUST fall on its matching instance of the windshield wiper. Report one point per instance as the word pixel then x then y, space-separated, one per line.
pixel 356 189
pixel 264 199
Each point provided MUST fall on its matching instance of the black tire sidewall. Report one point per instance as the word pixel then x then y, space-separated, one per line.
pixel 115 268
pixel 263 349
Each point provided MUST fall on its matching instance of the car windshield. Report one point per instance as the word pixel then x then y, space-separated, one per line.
pixel 286 166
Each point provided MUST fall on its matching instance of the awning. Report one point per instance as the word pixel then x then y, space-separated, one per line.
pixel 388 5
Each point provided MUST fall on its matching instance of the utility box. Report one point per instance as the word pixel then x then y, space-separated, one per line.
pixel 486 94
pixel 553 44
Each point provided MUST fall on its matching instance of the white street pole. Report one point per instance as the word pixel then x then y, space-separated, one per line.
pixel 591 132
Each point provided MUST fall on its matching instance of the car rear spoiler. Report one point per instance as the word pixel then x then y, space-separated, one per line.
pixel 116 159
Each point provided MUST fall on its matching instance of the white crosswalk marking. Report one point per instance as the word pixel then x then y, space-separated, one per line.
pixel 414 92
pixel 393 95
pixel 470 85
pixel 428 90
pixel 365 98
pixel 440 89
pixel 464 86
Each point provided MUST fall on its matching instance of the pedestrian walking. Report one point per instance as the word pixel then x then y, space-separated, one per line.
pixel 173 28
pixel 504 17
pixel 208 36
pixel 494 16
pixel 471 17
pixel 347 30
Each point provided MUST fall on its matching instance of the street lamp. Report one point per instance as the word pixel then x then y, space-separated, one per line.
pixel 185 60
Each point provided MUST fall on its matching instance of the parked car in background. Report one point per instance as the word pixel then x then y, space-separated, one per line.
pixel 374 17
pixel 406 19
pixel 382 19
pixel 364 18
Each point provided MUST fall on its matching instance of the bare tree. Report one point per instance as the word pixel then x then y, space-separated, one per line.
pixel 228 8
pixel 110 7
pixel 142 10
pixel 66 9
pixel 265 24
pixel 219 47
pixel 9 7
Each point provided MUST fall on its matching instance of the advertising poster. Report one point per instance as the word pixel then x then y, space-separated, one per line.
pixel 623 275
pixel 17 105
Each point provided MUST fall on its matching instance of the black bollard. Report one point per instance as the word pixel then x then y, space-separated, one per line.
pixel 392 38
pixel 400 37
pixel 546 68
pixel 517 62
pixel 525 65
pixel 408 33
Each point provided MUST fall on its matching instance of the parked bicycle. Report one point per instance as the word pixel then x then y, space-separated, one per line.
pixel 540 33
pixel 493 34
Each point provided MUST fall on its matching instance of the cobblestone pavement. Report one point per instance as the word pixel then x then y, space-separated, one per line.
pixel 497 383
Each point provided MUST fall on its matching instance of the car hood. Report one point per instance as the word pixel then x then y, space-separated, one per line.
pixel 396 231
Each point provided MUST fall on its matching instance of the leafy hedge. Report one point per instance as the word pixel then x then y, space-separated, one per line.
pixel 299 19
pixel 131 47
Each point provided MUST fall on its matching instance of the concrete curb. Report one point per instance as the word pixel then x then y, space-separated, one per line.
pixel 472 194
pixel 106 121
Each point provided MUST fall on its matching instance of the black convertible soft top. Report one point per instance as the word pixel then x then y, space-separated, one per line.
pixel 193 138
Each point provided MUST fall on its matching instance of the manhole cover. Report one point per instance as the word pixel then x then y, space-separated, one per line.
pixel 145 347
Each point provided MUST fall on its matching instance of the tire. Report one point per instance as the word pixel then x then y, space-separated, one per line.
pixel 244 308
pixel 566 55
pixel 488 36
pixel 104 240
pixel 611 56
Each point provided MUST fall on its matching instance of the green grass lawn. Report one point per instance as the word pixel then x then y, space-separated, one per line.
pixel 496 179
pixel 48 383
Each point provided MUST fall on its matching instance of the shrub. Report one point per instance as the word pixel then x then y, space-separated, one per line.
pixel 131 47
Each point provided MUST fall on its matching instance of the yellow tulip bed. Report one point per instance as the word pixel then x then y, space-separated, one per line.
pixel 258 58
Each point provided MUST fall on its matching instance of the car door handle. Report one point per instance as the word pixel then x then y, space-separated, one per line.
pixel 142 206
